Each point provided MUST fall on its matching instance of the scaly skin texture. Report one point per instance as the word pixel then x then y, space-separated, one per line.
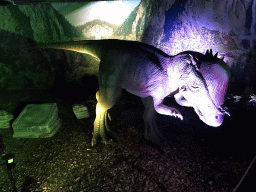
pixel 196 80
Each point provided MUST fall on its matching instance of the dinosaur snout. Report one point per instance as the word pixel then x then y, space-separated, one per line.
pixel 218 120
pixel 214 120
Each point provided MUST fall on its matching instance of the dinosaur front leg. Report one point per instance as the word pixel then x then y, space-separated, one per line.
pixel 165 110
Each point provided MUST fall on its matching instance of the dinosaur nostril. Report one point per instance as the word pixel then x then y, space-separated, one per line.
pixel 216 117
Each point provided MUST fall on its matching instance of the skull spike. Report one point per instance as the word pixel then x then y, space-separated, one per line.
pixel 211 52
pixel 222 58
pixel 216 55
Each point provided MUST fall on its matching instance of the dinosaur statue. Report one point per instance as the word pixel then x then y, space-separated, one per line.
pixel 196 80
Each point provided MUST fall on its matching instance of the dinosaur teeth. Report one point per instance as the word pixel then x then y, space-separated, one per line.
pixel 198 111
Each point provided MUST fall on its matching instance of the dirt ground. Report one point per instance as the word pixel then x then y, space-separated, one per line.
pixel 198 158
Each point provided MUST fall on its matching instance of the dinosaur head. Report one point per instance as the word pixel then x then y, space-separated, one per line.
pixel 204 89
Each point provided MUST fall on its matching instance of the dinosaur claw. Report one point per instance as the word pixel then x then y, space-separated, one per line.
pixel 94 142
pixel 102 129
pixel 109 117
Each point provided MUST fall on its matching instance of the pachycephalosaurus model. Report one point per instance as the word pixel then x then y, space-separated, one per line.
pixel 196 80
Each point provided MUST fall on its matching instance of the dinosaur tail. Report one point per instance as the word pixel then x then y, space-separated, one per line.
pixel 91 47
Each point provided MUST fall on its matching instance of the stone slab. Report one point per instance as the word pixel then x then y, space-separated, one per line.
pixel 37 121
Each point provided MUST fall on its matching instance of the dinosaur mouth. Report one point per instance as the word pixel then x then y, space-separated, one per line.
pixel 198 112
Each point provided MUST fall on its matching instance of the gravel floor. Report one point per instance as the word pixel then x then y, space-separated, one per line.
pixel 198 158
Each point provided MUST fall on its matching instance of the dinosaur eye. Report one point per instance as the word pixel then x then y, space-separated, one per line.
pixel 194 85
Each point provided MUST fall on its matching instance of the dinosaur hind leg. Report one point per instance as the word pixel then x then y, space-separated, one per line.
pixel 108 95
pixel 105 100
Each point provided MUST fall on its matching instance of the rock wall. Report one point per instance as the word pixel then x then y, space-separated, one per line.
pixel 22 66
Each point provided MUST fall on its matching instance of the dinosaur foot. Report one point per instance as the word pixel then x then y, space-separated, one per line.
pixel 110 135
pixel 102 129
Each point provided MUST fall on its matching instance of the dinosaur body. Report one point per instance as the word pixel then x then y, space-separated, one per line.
pixel 151 74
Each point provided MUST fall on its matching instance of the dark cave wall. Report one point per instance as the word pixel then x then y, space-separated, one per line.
pixel 22 66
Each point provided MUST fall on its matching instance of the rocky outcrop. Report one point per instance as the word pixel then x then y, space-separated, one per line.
pixel 133 27
pixel 38 21
pixel 47 24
